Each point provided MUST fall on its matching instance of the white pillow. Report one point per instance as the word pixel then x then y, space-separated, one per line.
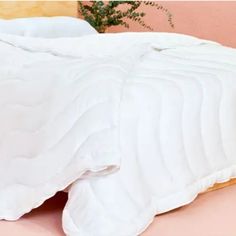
pixel 47 27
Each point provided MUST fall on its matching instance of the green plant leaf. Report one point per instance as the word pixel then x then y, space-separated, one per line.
pixel 102 14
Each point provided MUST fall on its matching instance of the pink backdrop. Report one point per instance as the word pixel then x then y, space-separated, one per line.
pixel 210 20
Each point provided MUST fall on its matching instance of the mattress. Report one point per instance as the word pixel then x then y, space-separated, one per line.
pixel 197 218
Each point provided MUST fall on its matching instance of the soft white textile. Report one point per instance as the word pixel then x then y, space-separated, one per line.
pixel 138 123
pixel 47 27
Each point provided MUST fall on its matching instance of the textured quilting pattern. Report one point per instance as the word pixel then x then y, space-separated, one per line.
pixel 58 122
pixel 159 107
pixel 178 140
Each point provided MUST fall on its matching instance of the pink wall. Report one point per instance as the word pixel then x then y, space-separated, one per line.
pixel 209 19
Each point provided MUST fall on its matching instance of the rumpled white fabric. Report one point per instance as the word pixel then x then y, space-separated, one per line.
pixel 137 124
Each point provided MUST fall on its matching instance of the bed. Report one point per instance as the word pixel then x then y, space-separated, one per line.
pixel 198 218
pixel 132 125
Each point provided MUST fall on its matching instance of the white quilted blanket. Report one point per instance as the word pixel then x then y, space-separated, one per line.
pixel 138 123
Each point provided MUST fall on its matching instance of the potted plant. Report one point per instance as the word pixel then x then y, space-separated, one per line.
pixel 104 14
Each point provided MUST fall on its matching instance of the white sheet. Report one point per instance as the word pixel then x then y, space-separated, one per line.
pixel 46 27
pixel 157 109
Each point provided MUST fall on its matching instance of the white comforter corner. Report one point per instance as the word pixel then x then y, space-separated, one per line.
pixel 138 123
pixel 59 122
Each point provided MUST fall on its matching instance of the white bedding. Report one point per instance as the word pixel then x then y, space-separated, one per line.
pixel 138 123
pixel 46 27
